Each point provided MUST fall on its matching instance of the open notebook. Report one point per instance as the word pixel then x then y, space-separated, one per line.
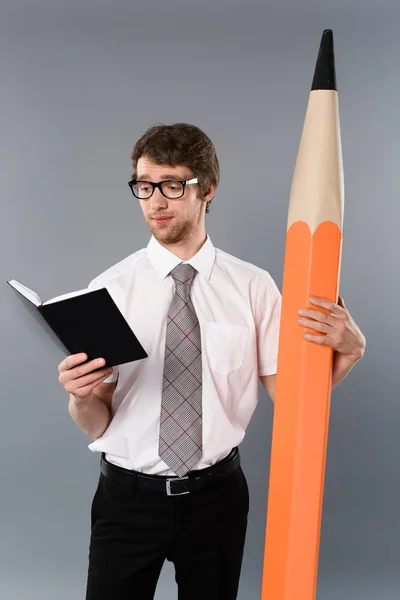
pixel 85 321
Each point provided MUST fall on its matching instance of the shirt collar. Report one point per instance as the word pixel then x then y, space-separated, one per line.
pixel 163 261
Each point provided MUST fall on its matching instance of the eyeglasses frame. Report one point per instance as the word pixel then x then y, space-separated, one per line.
pixel 184 183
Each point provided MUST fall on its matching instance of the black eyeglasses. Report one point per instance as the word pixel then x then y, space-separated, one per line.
pixel 170 188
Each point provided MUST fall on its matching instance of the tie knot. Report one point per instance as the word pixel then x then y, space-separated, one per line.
pixel 183 274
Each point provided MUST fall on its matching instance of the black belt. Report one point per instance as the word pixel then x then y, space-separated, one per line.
pixel 173 486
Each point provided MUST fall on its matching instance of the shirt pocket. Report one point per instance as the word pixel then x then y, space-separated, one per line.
pixel 225 346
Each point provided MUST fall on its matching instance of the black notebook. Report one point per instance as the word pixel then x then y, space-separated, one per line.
pixel 86 321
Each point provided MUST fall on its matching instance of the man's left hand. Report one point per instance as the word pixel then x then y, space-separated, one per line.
pixel 337 327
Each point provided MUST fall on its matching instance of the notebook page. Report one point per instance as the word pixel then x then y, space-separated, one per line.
pixel 25 291
pixel 68 295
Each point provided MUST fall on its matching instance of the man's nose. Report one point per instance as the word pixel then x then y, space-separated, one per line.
pixel 157 200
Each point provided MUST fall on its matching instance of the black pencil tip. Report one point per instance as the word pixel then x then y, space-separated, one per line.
pixel 325 74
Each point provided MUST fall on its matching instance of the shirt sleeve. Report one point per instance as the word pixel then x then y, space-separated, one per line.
pixel 114 375
pixel 94 285
pixel 267 317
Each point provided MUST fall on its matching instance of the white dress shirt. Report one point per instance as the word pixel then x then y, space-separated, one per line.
pixel 238 308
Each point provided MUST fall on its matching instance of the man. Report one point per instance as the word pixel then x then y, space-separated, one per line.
pixel 168 427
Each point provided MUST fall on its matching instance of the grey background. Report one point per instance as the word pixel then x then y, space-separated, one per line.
pixel 80 82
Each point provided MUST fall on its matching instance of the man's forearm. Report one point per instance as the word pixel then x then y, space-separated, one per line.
pixel 92 416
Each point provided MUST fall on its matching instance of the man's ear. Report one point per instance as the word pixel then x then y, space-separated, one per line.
pixel 212 188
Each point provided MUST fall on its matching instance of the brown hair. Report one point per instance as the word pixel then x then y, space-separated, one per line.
pixel 180 144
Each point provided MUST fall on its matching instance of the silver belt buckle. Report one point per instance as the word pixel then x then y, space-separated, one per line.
pixel 168 486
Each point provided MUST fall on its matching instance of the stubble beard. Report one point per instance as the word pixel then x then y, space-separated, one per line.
pixel 178 232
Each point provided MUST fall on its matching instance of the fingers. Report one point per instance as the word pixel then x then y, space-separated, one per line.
pixel 72 365
pixel 317 315
pixel 90 367
pixel 72 361
pixel 334 308
pixel 322 340
pixel 86 390
pixel 72 385
pixel 323 327
pixel 74 375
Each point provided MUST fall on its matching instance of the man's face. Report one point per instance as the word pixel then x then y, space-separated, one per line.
pixel 171 221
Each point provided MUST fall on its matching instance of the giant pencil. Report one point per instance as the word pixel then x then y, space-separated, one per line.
pixel 303 387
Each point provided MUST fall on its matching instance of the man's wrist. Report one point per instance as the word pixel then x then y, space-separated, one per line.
pixel 78 401
pixel 342 365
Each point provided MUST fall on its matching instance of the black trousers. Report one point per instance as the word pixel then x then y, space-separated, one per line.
pixel 133 532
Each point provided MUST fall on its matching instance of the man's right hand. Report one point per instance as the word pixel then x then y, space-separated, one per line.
pixel 80 380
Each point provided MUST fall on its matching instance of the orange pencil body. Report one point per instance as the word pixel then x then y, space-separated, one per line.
pixel 302 402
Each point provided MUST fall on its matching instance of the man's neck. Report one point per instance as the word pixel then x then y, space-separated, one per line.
pixel 185 250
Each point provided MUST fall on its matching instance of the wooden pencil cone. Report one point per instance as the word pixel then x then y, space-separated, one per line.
pixel 304 377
